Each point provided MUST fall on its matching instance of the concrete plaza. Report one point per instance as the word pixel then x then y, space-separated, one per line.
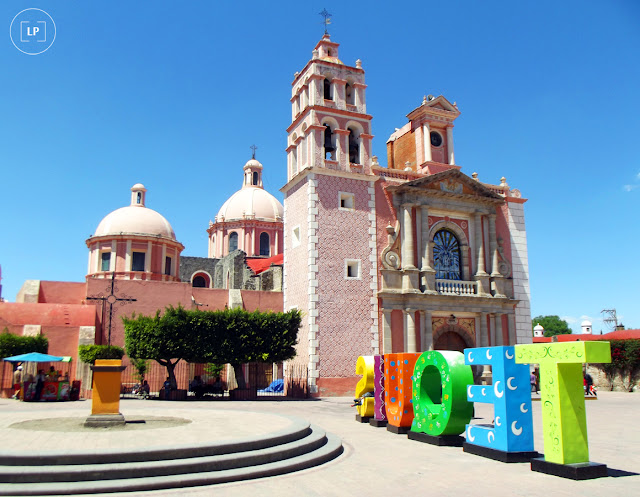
pixel 375 462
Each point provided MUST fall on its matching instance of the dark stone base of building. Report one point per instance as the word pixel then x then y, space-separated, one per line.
pixel 442 440
pixel 378 423
pixel 398 430
pixel 362 419
pixel 578 471
pixel 499 455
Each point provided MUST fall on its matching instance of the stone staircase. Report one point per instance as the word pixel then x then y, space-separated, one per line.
pixel 298 447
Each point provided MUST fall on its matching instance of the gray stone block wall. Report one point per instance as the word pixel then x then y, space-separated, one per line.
pixel 233 267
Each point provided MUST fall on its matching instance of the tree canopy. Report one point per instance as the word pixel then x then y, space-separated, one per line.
pixel 11 345
pixel 232 336
pixel 552 325
pixel 89 353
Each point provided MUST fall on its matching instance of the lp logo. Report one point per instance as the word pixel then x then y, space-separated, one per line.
pixel 33 31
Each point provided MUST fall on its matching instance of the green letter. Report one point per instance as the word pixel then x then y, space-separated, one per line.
pixel 562 395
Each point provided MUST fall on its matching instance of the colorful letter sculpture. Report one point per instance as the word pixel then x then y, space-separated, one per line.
pixel 364 366
pixel 439 395
pixel 379 411
pixel 511 438
pixel 562 398
pixel 398 370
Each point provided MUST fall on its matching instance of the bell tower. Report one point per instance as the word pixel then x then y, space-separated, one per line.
pixel 330 221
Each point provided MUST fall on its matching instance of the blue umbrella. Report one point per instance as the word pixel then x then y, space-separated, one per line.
pixel 33 357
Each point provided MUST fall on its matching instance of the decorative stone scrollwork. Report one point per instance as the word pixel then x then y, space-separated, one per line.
pixel 390 256
pixel 504 266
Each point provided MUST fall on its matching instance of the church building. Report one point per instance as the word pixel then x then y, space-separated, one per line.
pixel 409 257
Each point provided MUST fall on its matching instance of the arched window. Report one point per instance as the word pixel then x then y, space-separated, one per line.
pixel 329 148
pixel 264 244
pixel 199 282
pixel 446 256
pixel 327 89
pixel 354 146
pixel 350 94
pixel 255 178
pixel 233 241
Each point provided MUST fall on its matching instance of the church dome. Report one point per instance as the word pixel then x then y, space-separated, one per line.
pixel 251 201
pixel 135 219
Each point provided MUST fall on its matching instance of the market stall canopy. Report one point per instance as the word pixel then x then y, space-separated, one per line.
pixel 34 357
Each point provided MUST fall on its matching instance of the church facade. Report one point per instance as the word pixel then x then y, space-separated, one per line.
pixel 409 257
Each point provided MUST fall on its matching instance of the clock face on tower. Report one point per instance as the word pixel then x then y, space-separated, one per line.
pixel 436 139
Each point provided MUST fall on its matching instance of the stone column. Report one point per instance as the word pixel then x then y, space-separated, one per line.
pixel 428 274
pixel 452 159
pixel 424 238
pixel 484 332
pixel 497 278
pixel 386 331
pixel 407 238
pixel 480 267
pixel 481 275
pixel 511 320
pixel 410 330
pixel 426 331
pixel 426 132
pixel 492 329
pixel 499 339
pixel 410 274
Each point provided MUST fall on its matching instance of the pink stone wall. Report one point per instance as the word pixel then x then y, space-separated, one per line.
pixel 344 306
pixel 296 264
pixel 61 292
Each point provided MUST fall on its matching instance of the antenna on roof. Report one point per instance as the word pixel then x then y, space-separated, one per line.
pixel 610 318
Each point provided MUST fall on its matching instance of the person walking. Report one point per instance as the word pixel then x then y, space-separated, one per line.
pixel 588 382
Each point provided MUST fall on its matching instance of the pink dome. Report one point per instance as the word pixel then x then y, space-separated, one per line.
pixel 135 219
pixel 253 203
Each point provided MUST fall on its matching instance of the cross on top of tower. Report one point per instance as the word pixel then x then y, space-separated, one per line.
pixel 327 20
pixel 253 148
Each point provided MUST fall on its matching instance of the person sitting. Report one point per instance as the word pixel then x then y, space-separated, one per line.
pixel 216 388
pixel 52 374
pixel 196 386
pixel 144 390
pixel 167 388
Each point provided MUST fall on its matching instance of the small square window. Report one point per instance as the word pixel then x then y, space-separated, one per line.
pixel 352 269
pixel 346 201
pixel 105 261
pixel 295 236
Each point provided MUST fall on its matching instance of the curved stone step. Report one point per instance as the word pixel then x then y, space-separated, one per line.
pixel 114 471
pixel 330 449
pixel 297 430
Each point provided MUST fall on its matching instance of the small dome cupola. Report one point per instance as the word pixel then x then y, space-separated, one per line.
pixel 252 172
pixel 138 192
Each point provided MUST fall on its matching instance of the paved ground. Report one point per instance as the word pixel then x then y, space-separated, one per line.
pixel 375 461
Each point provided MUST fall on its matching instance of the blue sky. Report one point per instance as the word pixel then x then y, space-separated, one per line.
pixel 172 94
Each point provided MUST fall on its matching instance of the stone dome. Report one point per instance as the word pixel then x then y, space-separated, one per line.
pixel 251 202
pixel 586 323
pixel 135 219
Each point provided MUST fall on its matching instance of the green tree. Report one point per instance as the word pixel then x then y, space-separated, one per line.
pixel 90 353
pixel 11 345
pixel 232 336
pixel 552 325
